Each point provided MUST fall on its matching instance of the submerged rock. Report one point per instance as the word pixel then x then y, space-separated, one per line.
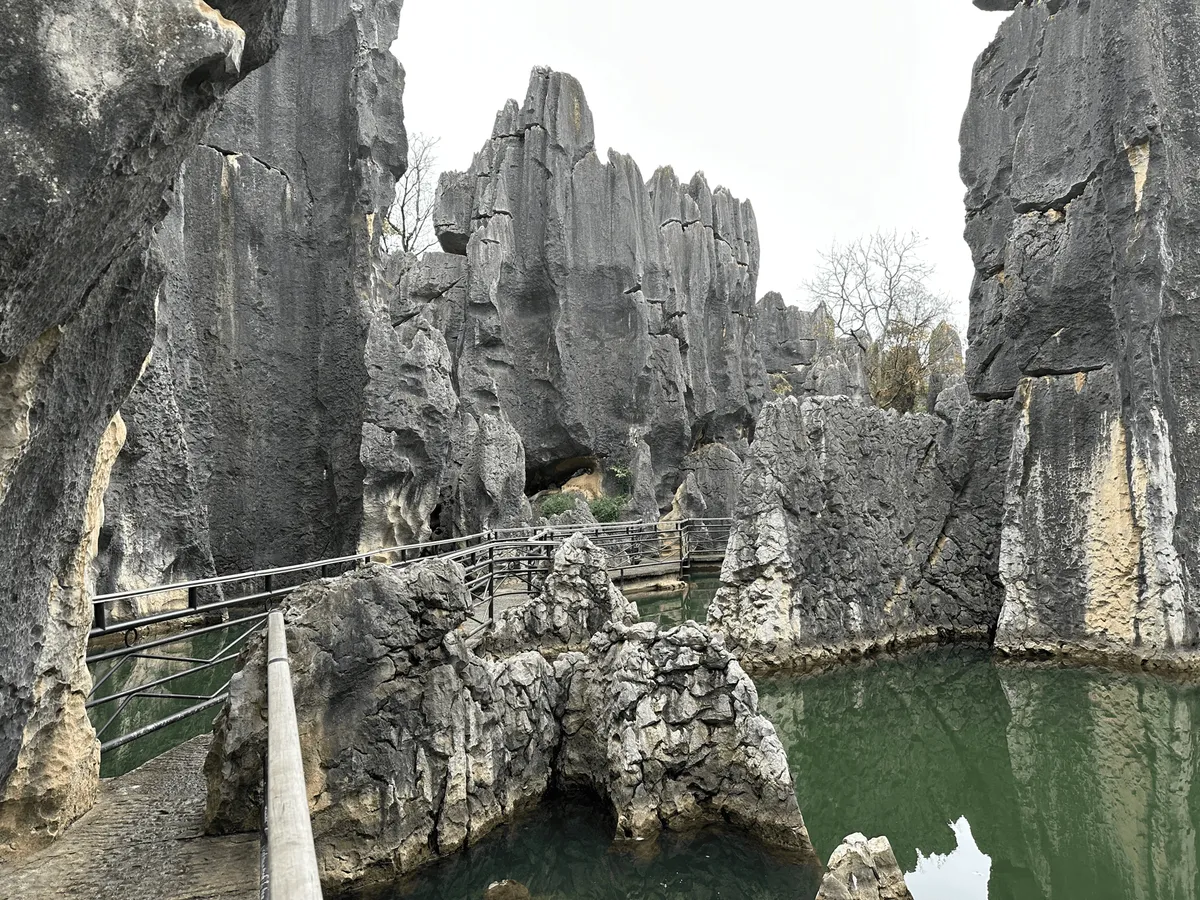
pixel 417 745
pixel 101 104
pixel 1078 147
pixel 862 869
pixel 506 890
pixel 859 528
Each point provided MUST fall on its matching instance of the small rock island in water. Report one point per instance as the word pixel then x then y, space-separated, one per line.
pixel 386 531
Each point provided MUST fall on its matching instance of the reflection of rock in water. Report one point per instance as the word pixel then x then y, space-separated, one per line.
pixel 961 874
pixel 899 748
pixel 1105 768
pixel 564 851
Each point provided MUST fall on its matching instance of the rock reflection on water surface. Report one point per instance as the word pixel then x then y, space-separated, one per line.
pixel 565 852
pixel 1079 784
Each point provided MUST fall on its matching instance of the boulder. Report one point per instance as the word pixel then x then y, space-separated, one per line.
pixel 665 726
pixel 858 528
pixel 1078 144
pixel 102 102
pixel 862 869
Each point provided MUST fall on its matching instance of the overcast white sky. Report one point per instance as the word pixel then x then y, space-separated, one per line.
pixel 834 117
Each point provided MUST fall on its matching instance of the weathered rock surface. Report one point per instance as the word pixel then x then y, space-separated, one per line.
pixel 577 600
pixel 665 725
pixel 859 528
pixel 431 745
pixel 440 455
pixel 862 869
pixel 1079 146
pixel 803 353
pixel 609 316
pixel 712 477
pixel 416 745
pixel 273 256
pixel 101 104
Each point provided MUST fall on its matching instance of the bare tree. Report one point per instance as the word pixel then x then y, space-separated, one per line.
pixel 410 221
pixel 876 288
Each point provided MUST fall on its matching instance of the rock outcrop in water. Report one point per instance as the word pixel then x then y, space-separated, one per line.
pixel 255 398
pixel 859 528
pixel 434 744
pixel 862 869
pixel 610 317
pixel 101 104
pixel 1079 148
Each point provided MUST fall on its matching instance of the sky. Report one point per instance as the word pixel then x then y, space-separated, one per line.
pixel 833 118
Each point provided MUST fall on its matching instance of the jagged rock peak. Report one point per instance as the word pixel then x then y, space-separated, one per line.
pixel 610 317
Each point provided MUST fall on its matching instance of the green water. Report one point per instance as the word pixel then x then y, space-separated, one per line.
pixel 676 607
pixel 1074 785
pixel 144 710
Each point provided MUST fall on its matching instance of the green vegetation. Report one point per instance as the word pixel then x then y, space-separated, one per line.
pixel 555 504
pixel 621 475
pixel 780 385
pixel 609 509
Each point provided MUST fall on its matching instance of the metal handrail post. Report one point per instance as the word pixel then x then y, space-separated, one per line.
pixel 291 857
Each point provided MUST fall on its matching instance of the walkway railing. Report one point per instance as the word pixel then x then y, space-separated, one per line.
pixel 207 621
pixel 291 858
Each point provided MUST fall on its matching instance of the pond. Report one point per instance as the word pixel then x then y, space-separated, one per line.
pixel 991 780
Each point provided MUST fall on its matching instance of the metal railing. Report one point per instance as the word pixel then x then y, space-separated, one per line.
pixel 223 612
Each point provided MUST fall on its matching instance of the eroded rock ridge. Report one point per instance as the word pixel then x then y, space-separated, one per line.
pixel 434 744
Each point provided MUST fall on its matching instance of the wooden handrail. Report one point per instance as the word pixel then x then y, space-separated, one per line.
pixel 291 857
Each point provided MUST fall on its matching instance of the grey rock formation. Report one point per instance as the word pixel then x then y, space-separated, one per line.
pixel 431 746
pixel 610 317
pixel 101 104
pixel 665 725
pixel 862 869
pixel 577 600
pixel 859 528
pixel 416 745
pixel 440 456
pixel 155 527
pixel 1078 146
pixel 803 353
pixel 273 261
pixel 712 476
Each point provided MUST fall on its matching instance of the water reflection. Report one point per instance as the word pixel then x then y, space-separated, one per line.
pixel 676 607
pixel 141 711
pixel 1078 784
pixel 961 874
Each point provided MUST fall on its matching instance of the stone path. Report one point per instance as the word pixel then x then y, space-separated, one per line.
pixel 143 841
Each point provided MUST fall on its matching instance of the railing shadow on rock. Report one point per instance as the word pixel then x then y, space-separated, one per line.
pixel 135 628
